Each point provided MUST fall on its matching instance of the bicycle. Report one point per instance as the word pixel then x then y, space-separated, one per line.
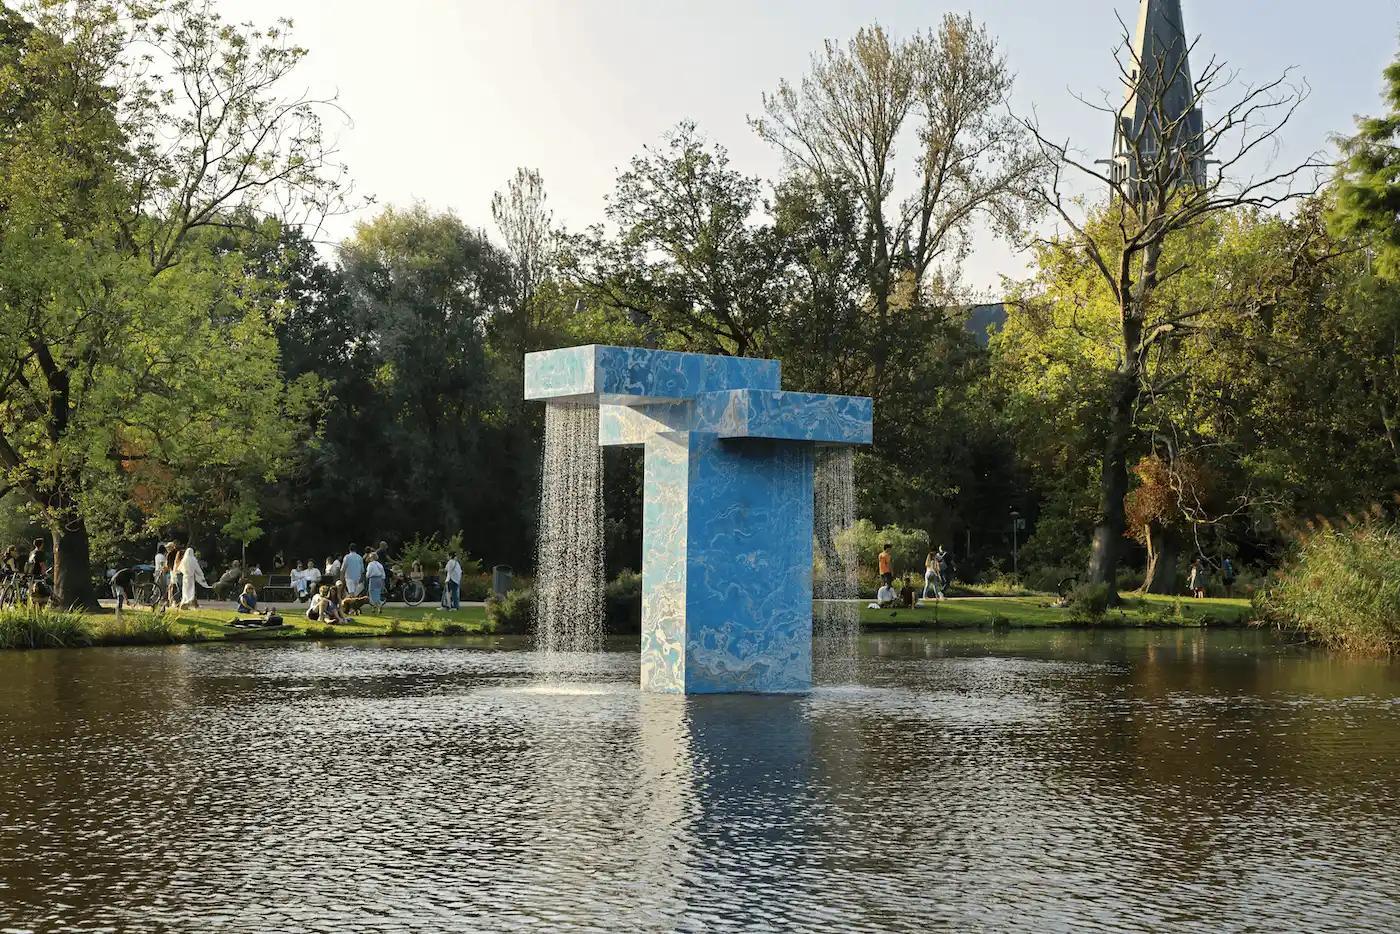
pixel 409 591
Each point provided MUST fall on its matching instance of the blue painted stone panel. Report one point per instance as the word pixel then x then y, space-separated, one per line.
pixel 749 567
pixel 666 474
pixel 630 375
pixel 638 373
pixel 792 416
pixel 560 374
pixel 622 425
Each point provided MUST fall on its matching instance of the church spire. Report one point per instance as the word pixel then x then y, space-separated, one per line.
pixel 1160 100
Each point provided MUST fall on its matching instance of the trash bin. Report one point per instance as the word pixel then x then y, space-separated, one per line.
pixel 500 580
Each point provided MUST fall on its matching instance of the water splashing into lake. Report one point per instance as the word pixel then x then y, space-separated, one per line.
pixel 569 565
pixel 835 614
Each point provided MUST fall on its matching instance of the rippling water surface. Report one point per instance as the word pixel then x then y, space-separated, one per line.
pixel 1035 781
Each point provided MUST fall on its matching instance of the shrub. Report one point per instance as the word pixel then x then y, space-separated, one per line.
pixel 476 587
pixel 1090 602
pixel 911 546
pixel 622 602
pixel 1341 587
pixel 31 626
pixel 513 614
pixel 432 551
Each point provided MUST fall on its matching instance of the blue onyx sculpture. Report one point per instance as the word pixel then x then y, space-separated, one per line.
pixel 727 514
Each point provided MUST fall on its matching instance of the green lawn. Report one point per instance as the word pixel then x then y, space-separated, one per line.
pixel 1037 611
pixel 212 625
pixel 208 625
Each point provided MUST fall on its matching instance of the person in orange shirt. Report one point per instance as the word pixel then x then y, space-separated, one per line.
pixel 886 564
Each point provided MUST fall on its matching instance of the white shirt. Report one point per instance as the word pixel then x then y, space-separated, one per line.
pixel 454 571
pixel 332 568
pixel 886 594
pixel 312 575
pixel 375 569
pixel 160 562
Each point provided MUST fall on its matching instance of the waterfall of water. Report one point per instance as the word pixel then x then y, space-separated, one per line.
pixel 836 614
pixel 569 565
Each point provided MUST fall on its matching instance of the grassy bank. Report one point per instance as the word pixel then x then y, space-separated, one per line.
pixel 28 627
pixel 1033 612
pixel 32 628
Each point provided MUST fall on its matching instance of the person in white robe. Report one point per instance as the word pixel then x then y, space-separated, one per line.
pixel 193 576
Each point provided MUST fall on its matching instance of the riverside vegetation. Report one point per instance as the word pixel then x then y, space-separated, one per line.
pixel 1342 589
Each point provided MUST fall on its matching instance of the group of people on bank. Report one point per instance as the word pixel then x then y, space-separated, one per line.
pixel 938 578
pixel 345 585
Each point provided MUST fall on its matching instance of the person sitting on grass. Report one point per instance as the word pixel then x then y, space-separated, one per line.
pixel 906 594
pixel 248 600
pixel 324 607
pixel 885 598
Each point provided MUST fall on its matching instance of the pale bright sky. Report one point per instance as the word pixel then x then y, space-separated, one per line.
pixel 447 98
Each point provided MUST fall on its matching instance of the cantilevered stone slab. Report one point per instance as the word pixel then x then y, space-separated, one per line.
pixel 632 375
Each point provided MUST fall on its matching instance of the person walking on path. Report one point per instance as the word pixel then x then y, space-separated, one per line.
pixel 453 572
pixel 887 565
pixel 352 571
pixel 930 575
pixel 192 576
pixel 1227 576
pixel 1198 578
pixel 943 569
pixel 375 574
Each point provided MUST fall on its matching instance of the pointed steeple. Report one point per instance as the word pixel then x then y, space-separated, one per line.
pixel 1160 100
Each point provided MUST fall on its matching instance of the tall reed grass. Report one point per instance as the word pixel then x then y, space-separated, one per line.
pixel 1342 589
pixel 31 626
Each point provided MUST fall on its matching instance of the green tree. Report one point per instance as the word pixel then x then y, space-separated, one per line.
pixel 1368 184
pixel 424 450
pixel 1156 200
pixel 135 348
pixel 687 263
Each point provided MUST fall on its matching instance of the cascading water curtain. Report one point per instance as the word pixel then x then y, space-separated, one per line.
pixel 569 558
pixel 836 612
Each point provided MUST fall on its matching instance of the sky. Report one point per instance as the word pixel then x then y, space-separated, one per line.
pixel 447 98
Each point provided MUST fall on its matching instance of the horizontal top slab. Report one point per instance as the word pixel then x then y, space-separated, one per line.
pixel 604 375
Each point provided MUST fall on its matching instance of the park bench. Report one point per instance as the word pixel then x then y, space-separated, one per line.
pixel 275 587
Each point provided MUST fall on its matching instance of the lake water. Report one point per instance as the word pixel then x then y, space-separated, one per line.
pixel 1037 781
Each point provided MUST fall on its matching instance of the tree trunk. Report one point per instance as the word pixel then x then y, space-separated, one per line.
pixel 72 567
pixel 1163 551
pixel 1113 487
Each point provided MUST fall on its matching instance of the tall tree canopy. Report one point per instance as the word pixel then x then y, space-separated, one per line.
pixel 135 341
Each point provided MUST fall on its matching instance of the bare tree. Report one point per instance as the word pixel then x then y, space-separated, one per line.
pixel 1175 170
pixel 943 92
pixel 526 223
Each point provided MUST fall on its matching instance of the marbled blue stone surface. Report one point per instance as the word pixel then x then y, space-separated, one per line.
pixel 636 375
pixel 748 614
pixel 560 374
pixel 791 416
pixel 665 512
pixel 727 516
